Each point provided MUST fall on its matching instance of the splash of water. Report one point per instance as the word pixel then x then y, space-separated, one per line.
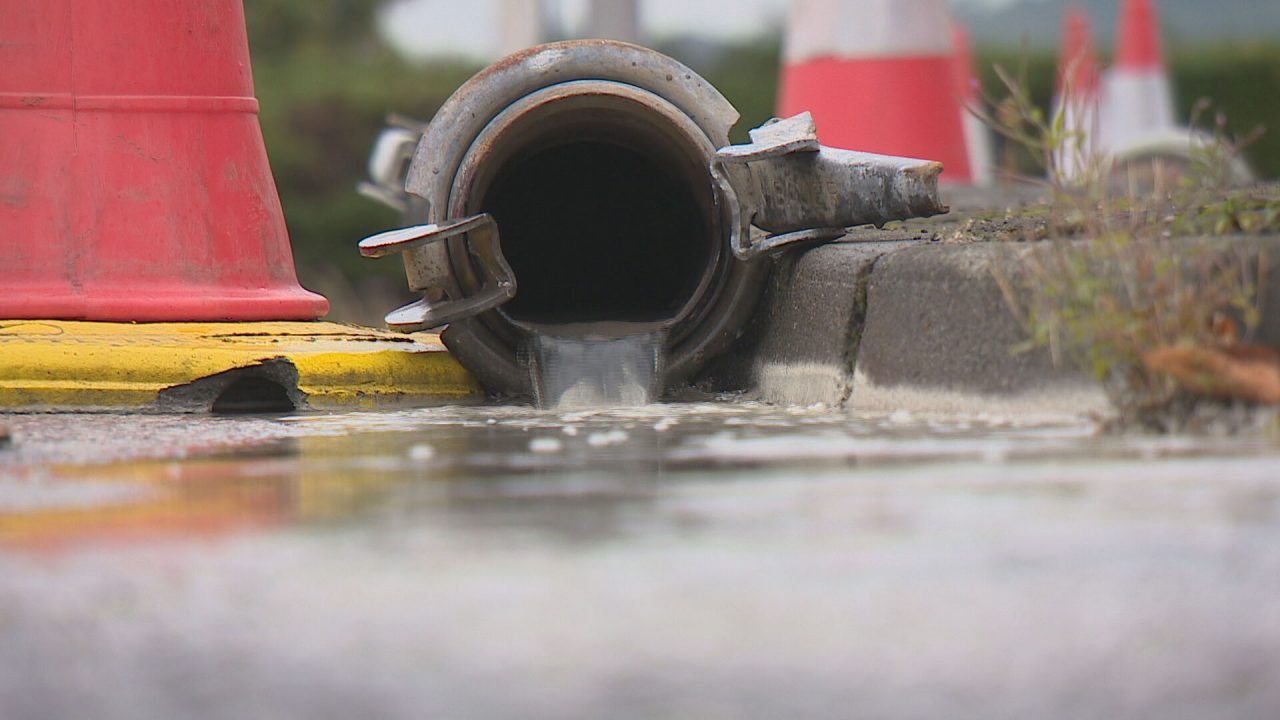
pixel 596 365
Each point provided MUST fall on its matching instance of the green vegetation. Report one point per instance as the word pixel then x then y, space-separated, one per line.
pixel 1117 277
pixel 1244 83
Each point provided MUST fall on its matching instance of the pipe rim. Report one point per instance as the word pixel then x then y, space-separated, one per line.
pixel 472 183
pixel 451 133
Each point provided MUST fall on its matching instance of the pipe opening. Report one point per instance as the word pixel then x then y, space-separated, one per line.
pixel 605 207
pixel 594 159
pixel 598 232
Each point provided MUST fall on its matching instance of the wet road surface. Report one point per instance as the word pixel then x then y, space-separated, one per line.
pixel 695 561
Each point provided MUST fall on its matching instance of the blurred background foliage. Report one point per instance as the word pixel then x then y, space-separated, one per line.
pixel 326 80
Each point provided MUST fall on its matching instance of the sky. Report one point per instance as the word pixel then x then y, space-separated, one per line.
pixel 454 27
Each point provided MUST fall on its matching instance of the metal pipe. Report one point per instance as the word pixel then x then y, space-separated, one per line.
pixel 605 169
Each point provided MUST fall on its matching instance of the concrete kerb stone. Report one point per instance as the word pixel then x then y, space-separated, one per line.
pixel 939 336
pixel 800 347
pixel 917 326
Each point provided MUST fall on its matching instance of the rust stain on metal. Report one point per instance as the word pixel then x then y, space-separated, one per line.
pixel 926 170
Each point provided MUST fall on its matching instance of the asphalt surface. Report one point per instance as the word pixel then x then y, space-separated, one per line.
pixel 699 561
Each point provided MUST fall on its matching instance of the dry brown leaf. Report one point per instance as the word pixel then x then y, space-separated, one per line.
pixel 1239 372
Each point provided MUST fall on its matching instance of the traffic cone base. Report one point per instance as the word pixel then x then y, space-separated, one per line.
pixel 141 302
pixel 189 367
pixel 134 184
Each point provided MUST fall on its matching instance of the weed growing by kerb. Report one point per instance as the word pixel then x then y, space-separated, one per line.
pixel 1136 257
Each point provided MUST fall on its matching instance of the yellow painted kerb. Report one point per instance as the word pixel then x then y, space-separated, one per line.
pixel 53 364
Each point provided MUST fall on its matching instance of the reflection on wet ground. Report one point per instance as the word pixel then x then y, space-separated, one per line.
pixel 704 560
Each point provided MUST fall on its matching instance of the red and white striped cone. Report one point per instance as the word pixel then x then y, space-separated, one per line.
pixel 1138 99
pixel 877 76
pixel 977 136
pixel 1078 95
pixel 134 185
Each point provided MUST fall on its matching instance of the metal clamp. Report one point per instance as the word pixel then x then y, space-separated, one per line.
pixel 800 192
pixel 436 308
pixel 389 162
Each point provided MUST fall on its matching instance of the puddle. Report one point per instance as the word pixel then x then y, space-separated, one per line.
pixel 717 559
pixel 114 473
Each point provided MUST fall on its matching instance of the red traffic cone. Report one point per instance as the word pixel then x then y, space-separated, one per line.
pixel 1077 95
pixel 134 184
pixel 977 136
pixel 1138 99
pixel 877 76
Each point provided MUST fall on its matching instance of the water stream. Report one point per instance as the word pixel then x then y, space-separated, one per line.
pixel 596 365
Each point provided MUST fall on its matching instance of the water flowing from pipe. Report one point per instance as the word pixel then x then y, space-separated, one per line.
pixel 595 365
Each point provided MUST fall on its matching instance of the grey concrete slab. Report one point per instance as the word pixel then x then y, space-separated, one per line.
pixel 936 319
pixel 939 332
pixel 800 347
pixel 918 323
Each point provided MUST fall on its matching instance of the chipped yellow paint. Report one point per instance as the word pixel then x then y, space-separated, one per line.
pixel 50 364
